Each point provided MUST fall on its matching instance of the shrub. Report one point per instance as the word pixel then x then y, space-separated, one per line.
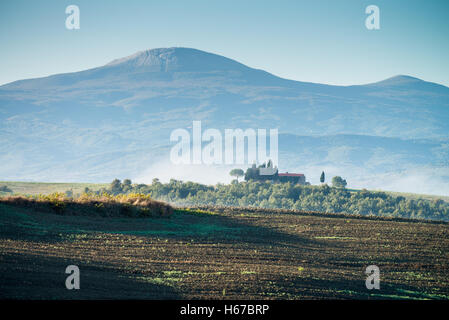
pixel 5 189
pixel 131 205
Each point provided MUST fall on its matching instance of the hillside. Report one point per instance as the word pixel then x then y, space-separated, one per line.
pixel 115 121
pixel 258 195
pixel 35 188
pixel 225 254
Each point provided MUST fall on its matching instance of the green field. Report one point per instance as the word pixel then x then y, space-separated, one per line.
pixel 33 188
pixel 408 195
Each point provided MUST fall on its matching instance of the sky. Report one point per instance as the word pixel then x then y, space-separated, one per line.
pixel 315 41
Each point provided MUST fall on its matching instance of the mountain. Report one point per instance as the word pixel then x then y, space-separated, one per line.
pixel 115 120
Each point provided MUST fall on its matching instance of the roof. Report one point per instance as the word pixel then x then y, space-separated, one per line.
pixel 291 174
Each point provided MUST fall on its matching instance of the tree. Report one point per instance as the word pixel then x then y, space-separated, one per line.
pixel 126 185
pixel 252 173
pixel 237 173
pixel 5 189
pixel 338 182
pixel 323 177
pixel 116 186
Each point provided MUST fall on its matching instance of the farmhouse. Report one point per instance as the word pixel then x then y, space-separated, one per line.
pixel 270 172
pixel 292 177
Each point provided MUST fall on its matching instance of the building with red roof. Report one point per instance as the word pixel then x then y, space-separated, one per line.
pixel 271 173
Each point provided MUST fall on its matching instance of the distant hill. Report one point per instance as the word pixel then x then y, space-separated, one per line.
pixel 115 120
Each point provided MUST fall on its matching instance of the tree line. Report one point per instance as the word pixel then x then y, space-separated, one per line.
pixel 264 194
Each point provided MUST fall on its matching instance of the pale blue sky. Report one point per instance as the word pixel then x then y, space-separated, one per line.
pixel 317 41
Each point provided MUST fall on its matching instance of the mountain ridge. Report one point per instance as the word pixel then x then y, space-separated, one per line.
pixel 157 56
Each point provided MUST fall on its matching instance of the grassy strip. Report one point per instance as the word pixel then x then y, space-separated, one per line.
pixel 129 205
